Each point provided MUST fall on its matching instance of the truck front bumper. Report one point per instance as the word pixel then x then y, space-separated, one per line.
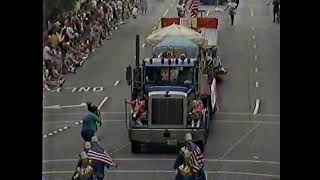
pixel 165 136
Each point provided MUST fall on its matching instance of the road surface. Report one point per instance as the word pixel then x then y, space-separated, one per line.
pixel 245 140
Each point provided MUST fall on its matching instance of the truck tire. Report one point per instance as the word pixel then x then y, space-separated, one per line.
pixel 135 147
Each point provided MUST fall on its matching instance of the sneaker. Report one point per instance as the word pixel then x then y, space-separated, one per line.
pixel 47 87
pixel 81 63
pixel 198 124
pixel 139 122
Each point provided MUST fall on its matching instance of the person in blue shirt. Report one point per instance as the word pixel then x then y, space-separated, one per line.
pixel 90 121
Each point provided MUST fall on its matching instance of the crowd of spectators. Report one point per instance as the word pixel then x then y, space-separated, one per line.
pixel 75 36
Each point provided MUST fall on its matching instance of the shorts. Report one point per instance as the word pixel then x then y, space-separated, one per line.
pixel 87 134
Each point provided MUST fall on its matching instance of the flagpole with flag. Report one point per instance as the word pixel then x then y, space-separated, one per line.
pixel 193 8
pixel 102 157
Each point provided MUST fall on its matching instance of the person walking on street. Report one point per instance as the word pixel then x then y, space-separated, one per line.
pixel 232 6
pixel 100 159
pixel 276 8
pixel 144 6
pixel 83 171
pixel 90 121
pixel 189 163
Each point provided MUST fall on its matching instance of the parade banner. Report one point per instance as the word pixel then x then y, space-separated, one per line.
pixel 194 23
pixel 189 22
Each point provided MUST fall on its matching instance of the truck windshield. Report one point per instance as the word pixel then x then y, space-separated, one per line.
pixel 169 76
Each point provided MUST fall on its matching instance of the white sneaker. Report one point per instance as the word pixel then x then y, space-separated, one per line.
pixel 139 122
pixel 47 87
pixel 192 123
pixel 198 124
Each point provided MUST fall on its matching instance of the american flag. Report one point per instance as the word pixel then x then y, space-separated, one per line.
pixel 196 159
pixel 101 157
pixel 193 7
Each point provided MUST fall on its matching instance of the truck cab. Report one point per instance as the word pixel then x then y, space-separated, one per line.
pixel 173 104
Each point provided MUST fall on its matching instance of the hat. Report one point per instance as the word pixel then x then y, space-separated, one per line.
pixel 188 137
pixel 87 145
pixel 83 155
pixel 94 139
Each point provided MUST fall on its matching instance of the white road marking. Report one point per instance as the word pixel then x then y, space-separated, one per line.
pixel 113 112
pixel 255 157
pixel 228 151
pixel 254 46
pixel 257 84
pixel 165 13
pixel 256 109
pixel 50 134
pixel 171 159
pixel 52 107
pixel 217 121
pixel 102 102
pixel 67 106
pixel 259 122
pixel 143 45
pixel 170 171
pixel 116 83
pixel 77 113
pixel 255 57
pixel 81 121
pixel 44 136
pixel 236 113
pixel 207 13
pixel 253 28
pixel 256 69
pixel 66 127
pixel 251 12
pixel 77 121
pixel 119 148
pixel 55 132
pixel 253 37
pixel 60 130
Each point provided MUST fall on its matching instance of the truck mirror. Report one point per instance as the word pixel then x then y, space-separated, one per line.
pixel 128 75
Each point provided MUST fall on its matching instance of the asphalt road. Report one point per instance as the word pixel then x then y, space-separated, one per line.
pixel 241 145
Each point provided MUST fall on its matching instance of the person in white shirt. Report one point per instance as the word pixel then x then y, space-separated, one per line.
pixel 232 6
pixel 120 10
pixel 181 9
pixel 47 53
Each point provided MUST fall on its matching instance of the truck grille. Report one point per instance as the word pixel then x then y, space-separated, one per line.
pixel 167 111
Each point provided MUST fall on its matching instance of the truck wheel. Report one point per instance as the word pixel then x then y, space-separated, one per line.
pixel 135 147
pixel 200 145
